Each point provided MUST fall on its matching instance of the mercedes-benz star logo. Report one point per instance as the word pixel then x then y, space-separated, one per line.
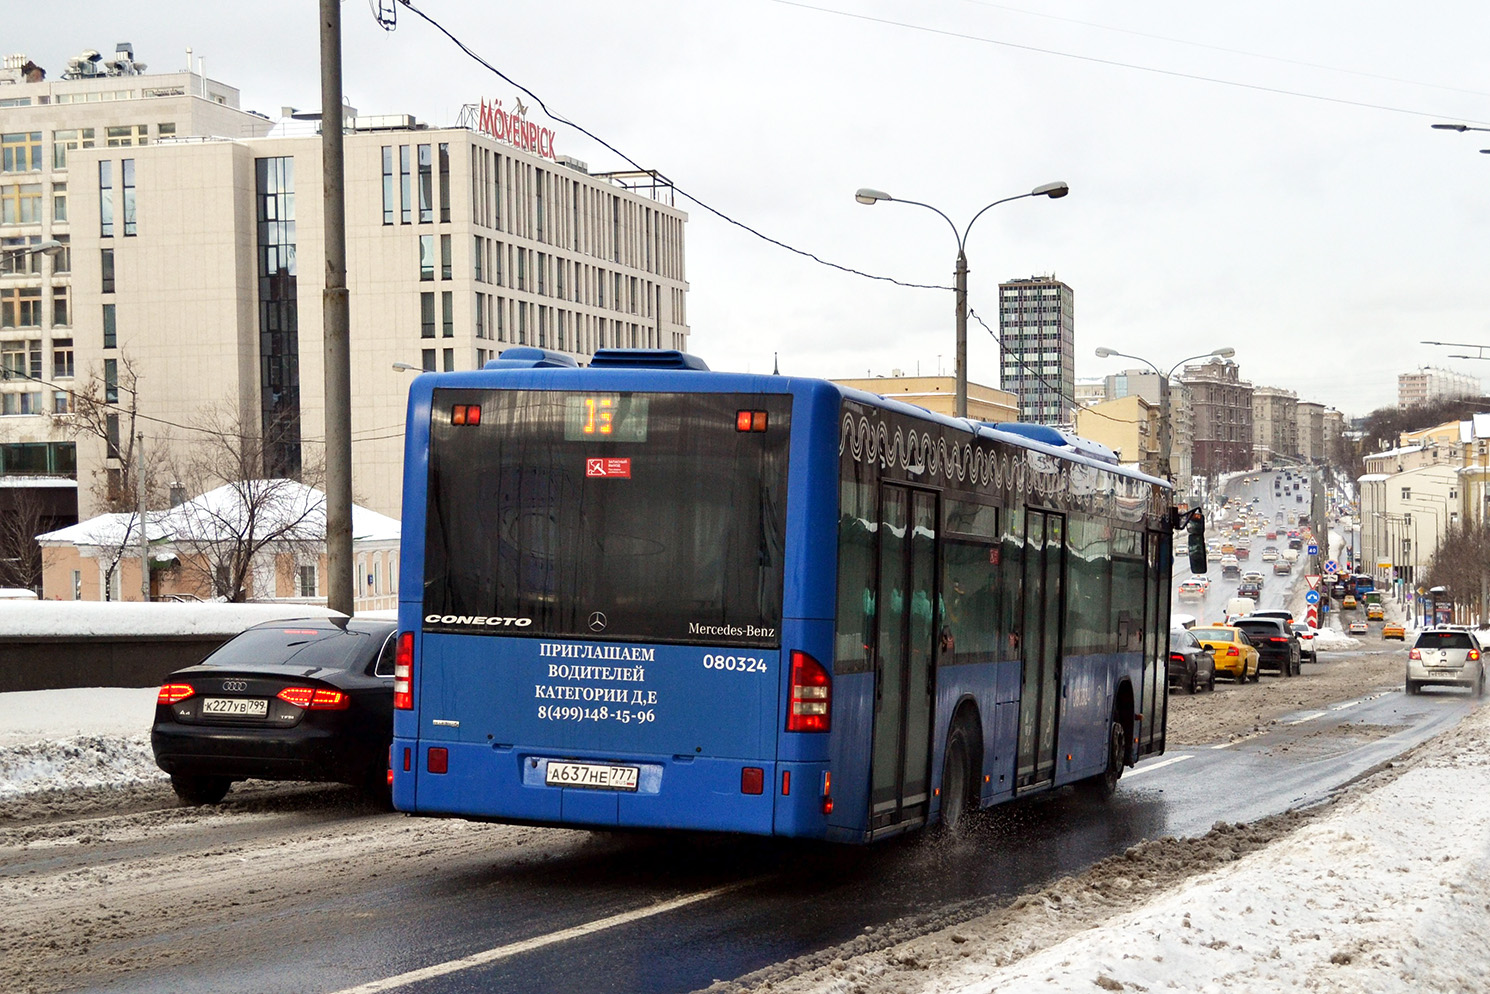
pixel 597 621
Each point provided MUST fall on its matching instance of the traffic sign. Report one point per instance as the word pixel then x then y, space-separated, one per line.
pixel 1313 549
pixel 1312 597
pixel 1332 567
pixel 1312 580
pixel 1310 618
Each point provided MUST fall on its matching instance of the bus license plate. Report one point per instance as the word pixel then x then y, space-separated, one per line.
pixel 591 775
pixel 236 707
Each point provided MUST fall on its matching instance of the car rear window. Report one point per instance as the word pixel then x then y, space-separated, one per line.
pixel 1214 635
pixel 330 648
pixel 1260 627
pixel 1444 640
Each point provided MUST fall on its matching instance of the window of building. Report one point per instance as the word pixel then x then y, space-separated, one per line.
pixel 61 318
pixel 16 259
pixel 20 307
pixel 480 278
pixel 501 311
pixel 59 201
pixel 62 360
pixel 427 360
pixel 110 340
pixel 307 580
pixel 540 271
pixel 23 403
pixel 522 268
pixel 480 315
pixel 444 181
pixel 405 186
pixel 20 152
pixel 563 330
pixel 111 380
pixel 77 584
pixel 522 323
pixel 426 186
pixel 106 199
pixel 447 314
pixel 560 267
pixel 387 184
pixel 62 260
pixel 499 251
pixel 1407 493
pixel 122 135
pixel 20 203
pixel 538 201
pixel 127 178
pixel 167 130
pixel 63 141
pixel 448 357
pixel 426 315
pixel 445 253
pixel 426 258
pixel 106 268
pixel 618 303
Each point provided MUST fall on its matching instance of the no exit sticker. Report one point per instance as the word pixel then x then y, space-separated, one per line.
pixel 611 468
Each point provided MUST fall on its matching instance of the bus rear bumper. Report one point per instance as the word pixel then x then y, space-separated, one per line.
pixel 692 793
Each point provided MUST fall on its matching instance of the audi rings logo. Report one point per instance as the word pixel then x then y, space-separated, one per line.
pixel 235 686
pixel 597 621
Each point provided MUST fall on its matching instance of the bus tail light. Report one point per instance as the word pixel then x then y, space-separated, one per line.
pixel 437 760
pixel 403 672
pixel 174 693
pixel 811 695
pixel 752 780
pixel 827 792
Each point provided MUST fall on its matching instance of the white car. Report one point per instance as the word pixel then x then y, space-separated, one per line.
pixel 1192 589
pixel 1252 576
pixel 1359 628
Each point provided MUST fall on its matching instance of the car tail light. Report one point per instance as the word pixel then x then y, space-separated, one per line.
pixel 403 672
pixel 315 698
pixel 1176 657
pixel 1414 654
pixel 1232 651
pixel 1277 638
pixel 811 695
pixel 174 693
pixel 1473 655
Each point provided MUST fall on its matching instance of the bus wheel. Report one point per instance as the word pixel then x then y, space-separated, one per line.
pixel 957 789
pixel 1104 785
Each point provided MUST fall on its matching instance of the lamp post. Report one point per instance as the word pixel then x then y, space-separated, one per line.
pixel 1225 352
pixel 1054 191
pixel 51 247
pixel 1461 128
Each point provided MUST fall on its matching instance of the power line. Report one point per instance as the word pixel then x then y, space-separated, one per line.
pixel 1230 51
pixel 1019 358
pixel 636 165
pixel 1115 63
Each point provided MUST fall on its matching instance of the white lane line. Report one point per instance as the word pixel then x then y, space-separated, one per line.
pixel 539 941
pixel 1157 766
pixel 1308 717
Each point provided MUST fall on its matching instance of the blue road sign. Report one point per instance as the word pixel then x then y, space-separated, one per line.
pixel 1312 597
pixel 1332 567
pixel 1313 549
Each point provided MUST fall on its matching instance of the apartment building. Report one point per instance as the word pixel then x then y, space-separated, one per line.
pixel 1037 342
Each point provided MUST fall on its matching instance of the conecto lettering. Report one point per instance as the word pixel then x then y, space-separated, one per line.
pixel 478 619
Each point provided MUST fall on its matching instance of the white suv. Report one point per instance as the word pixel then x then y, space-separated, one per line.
pixel 1448 657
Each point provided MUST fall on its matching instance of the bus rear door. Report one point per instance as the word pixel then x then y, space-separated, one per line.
pixel 1044 579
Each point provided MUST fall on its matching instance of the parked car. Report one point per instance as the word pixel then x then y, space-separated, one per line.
pixel 310 699
pixel 1276 643
pixel 1192 668
pixel 1445 656
pixel 1393 630
pixel 1233 651
pixel 1306 642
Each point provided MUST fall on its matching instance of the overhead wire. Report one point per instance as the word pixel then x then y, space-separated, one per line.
pixel 692 198
pixel 1019 358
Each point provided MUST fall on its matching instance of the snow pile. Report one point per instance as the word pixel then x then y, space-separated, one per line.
pixel 1386 894
pixel 1333 640
pixel 77 763
pixel 73 739
pixel 77 618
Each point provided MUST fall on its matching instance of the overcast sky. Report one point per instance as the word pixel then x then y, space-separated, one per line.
pixel 1321 238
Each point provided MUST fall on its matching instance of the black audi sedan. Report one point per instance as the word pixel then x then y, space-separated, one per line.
pixel 310 699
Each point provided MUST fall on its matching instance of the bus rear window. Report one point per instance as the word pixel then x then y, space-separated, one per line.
pixel 645 517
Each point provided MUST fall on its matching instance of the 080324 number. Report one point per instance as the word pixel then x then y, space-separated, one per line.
pixel 734 664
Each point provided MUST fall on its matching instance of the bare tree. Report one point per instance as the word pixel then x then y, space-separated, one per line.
pixel 23 517
pixel 105 408
pixel 240 517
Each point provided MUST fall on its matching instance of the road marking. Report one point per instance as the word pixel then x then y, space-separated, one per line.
pixel 539 941
pixel 1308 717
pixel 1157 766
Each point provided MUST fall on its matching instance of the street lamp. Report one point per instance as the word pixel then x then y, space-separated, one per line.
pixel 1225 352
pixel 1054 191
pixel 50 247
pixel 1460 128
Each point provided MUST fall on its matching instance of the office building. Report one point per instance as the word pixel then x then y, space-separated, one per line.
pixel 1037 342
pixel 1275 428
pixel 1220 412
pixel 1427 384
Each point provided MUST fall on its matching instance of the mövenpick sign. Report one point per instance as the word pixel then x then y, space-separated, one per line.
pixel 515 129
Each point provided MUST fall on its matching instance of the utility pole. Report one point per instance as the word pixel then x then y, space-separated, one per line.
pixel 140 515
pixel 337 322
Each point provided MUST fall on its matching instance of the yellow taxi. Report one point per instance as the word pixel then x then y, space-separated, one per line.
pixel 1392 630
pixel 1235 654
pixel 1349 602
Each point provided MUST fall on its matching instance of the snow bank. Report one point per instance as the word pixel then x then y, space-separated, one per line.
pixel 1386 894
pixel 1333 640
pixel 75 739
pixel 64 618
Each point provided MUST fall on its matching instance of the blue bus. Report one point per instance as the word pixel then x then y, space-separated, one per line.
pixel 646 594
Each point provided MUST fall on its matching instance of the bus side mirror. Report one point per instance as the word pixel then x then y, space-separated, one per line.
pixel 1196 531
